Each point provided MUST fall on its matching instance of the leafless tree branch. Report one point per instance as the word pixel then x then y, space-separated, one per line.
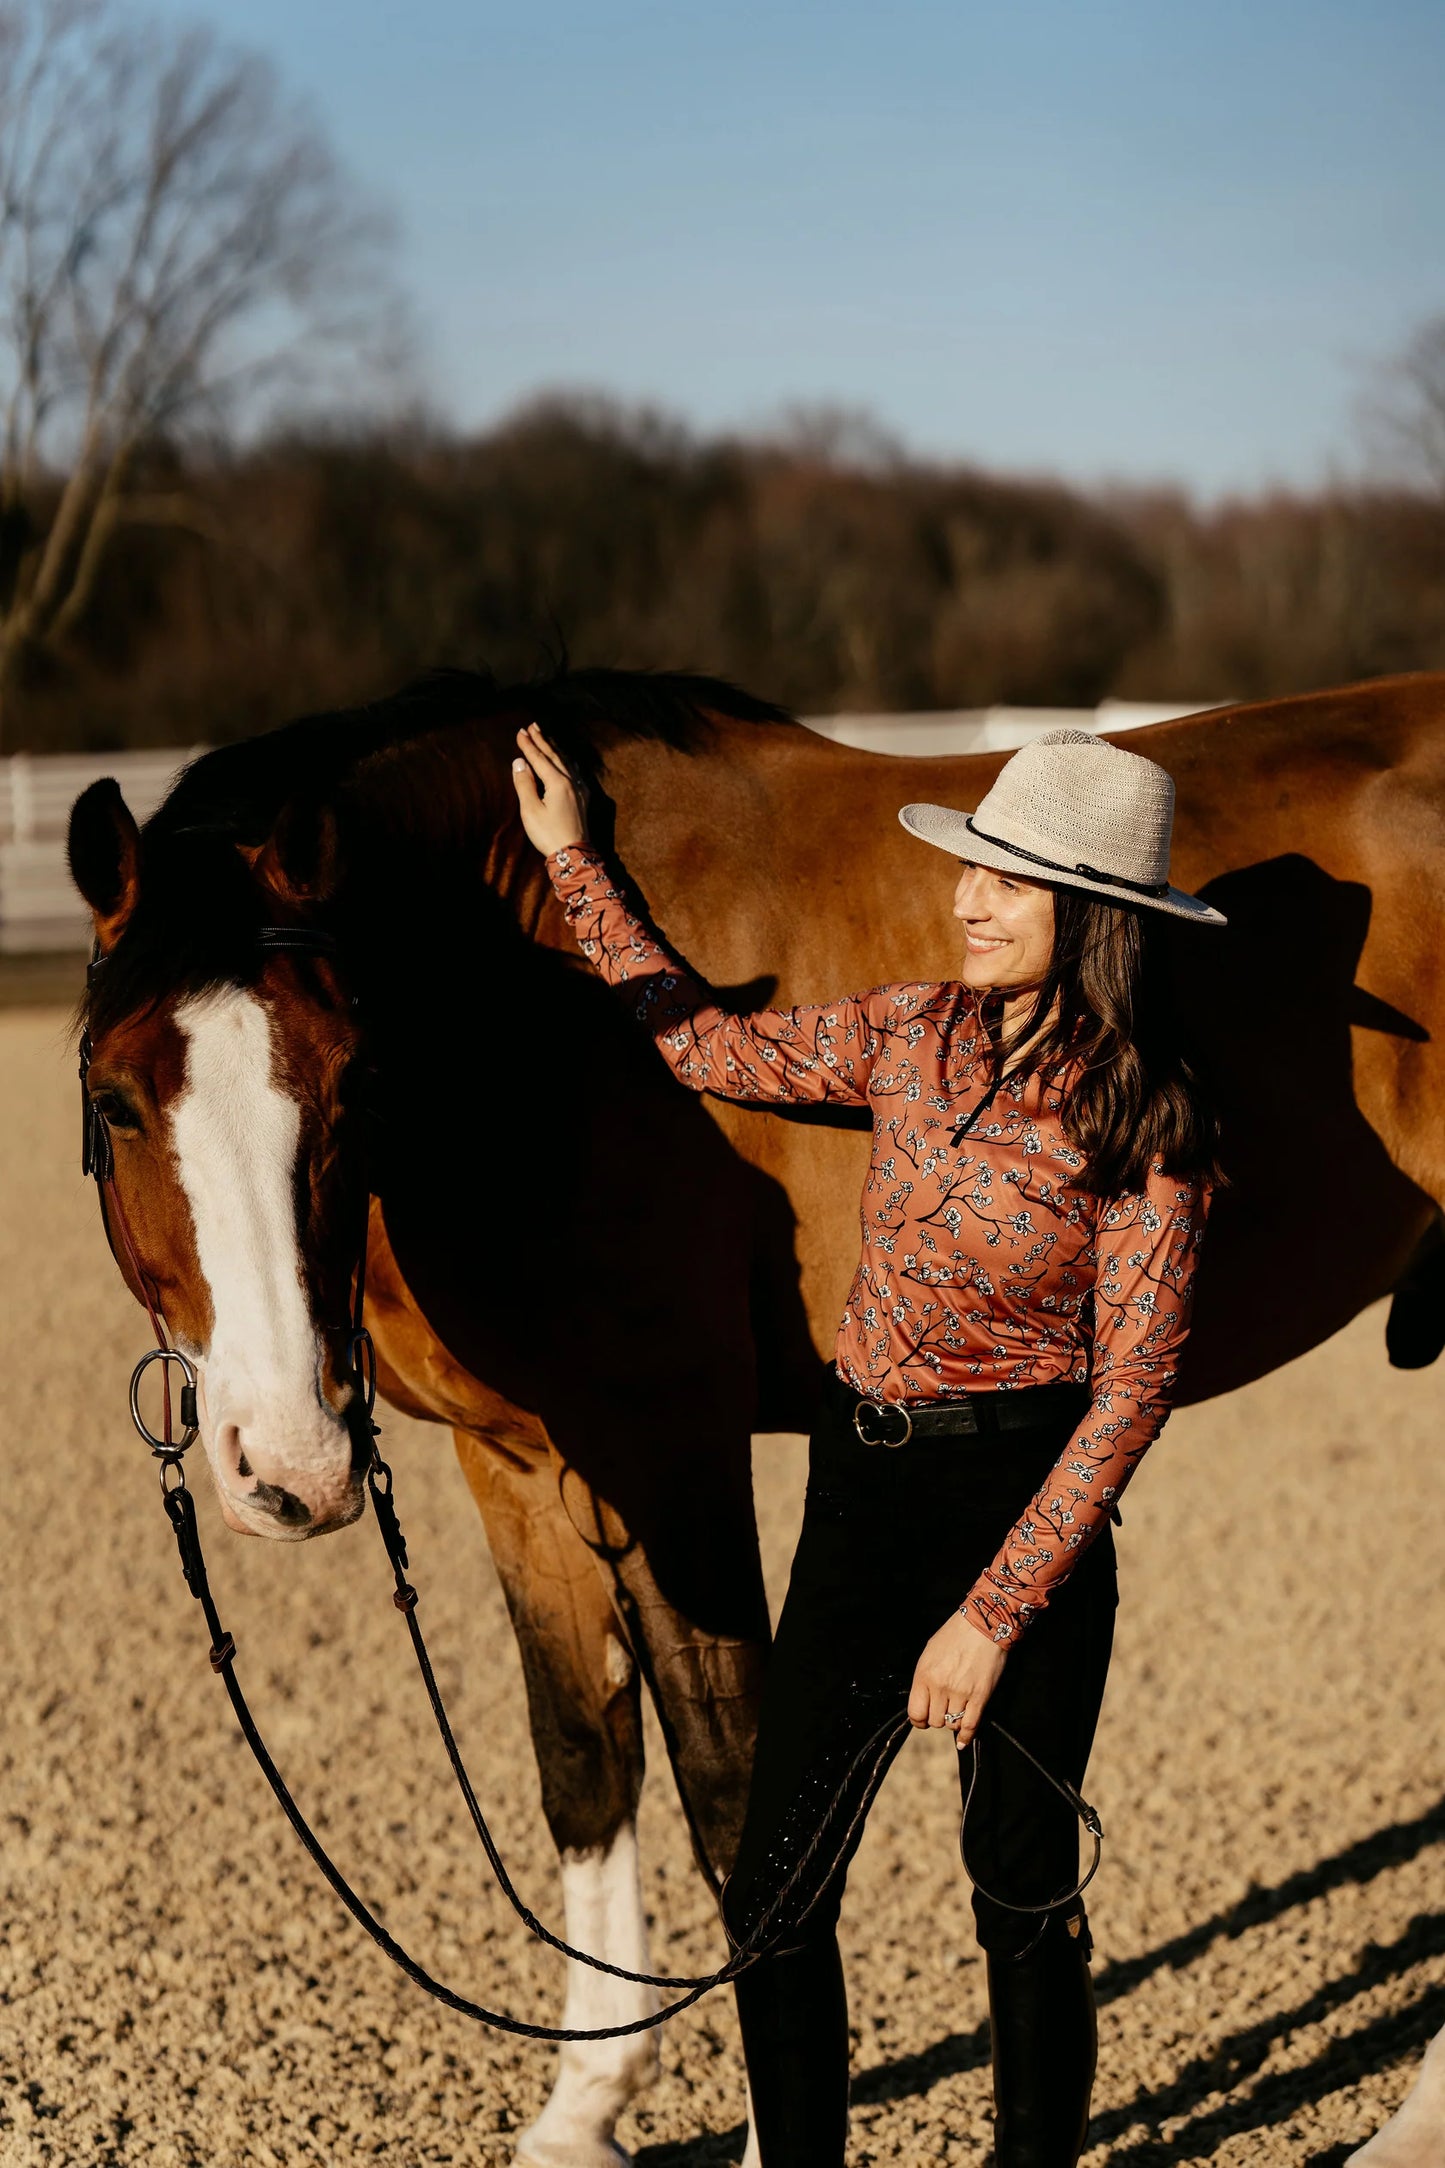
pixel 1406 415
pixel 176 239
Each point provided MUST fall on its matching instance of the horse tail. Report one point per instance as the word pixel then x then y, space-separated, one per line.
pixel 1415 1328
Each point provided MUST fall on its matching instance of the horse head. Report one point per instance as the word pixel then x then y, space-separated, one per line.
pixel 226 1069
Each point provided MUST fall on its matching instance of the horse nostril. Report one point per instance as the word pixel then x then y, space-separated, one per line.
pixel 243 1466
pixel 288 1509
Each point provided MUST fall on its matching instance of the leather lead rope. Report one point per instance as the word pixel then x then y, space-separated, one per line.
pixel 1087 1815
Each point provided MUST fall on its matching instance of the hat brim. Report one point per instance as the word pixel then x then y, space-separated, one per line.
pixel 948 830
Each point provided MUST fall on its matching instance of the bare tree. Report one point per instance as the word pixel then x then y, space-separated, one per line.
pixel 1406 415
pixel 176 242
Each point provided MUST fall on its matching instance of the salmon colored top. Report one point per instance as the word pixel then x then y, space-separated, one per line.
pixel 985 1265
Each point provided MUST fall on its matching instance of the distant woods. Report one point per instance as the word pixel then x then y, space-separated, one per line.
pixel 176 242
pixel 181 255
pixel 312 572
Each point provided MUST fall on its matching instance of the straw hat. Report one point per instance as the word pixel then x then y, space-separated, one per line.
pixel 1075 812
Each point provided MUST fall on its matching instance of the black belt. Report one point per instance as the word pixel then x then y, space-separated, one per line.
pixel 895 1422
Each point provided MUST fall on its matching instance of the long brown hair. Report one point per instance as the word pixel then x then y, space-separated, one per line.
pixel 1104 1026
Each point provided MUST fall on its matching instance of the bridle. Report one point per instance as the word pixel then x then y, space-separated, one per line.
pixel 860 1781
pixel 97 1159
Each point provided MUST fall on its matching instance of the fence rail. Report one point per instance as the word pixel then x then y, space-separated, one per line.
pixel 40 912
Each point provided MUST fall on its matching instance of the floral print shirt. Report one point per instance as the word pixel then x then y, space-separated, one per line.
pixel 985 1266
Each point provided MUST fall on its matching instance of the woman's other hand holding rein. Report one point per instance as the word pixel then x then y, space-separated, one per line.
pixel 553 804
pixel 956 1674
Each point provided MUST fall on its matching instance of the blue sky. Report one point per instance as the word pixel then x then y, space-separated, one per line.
pixel 1111 240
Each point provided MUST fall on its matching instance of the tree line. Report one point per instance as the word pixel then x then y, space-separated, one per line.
pixel 314 570
pixel 182 255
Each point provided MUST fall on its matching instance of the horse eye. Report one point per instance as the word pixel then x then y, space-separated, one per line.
pixel 115 1110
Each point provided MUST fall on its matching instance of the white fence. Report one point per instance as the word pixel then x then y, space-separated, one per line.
pixel 40 911
pixel 985 730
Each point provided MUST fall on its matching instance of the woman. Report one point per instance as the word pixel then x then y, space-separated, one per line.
pixel 1040 1175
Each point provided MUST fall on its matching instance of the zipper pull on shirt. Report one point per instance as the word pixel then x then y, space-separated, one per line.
pixel 965 1123
pixel 990 1017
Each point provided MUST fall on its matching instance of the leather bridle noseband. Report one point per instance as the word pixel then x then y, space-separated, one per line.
pixel 860 1781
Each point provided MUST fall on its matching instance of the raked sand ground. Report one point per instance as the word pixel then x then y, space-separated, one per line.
pixel 178 1988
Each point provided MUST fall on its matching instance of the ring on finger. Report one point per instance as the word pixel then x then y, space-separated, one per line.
pixel 954 1717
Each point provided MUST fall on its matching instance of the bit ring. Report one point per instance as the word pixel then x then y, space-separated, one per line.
pixel 167 1448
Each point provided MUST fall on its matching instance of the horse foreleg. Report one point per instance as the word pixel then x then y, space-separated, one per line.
pixel 692 1603
pixel 584 1705
pixel 689 1592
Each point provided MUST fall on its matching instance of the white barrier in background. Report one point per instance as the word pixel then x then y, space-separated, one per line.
pixel 40 911
pixel 932 735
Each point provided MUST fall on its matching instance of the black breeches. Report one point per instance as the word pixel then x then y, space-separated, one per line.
pixel 892 1540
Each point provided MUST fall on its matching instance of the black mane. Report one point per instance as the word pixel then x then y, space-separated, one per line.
pixel 195 923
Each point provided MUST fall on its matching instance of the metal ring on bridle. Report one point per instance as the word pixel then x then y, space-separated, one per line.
pixel 361 1362
pixel 165 1448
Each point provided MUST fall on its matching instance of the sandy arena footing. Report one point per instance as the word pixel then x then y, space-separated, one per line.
pixel 180 1990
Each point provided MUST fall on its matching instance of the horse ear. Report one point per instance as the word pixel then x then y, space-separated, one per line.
pixel 300 861
pixel 104 851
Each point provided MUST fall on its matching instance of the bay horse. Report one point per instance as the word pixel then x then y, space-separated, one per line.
pixel 604 1285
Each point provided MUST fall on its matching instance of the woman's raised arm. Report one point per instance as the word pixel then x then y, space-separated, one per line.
pixel 823 1052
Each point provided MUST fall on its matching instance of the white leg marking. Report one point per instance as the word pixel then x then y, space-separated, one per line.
pixel 603 1903
pixel 1414 2137
pixel 617 1665
pixel 235 1137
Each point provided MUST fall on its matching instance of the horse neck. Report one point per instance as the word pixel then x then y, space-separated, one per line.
pixel 434 824
pixel 744 847
pixel 502 1059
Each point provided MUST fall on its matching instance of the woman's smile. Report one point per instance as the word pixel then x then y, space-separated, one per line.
pixel 1008 929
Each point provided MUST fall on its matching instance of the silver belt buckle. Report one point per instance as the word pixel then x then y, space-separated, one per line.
pixel 884 1408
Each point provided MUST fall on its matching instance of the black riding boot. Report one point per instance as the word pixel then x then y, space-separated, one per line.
pixel 793 2009
pixel 1045 2043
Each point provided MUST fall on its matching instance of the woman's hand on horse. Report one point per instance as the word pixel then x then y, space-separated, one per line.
pixel 956 1673
pixel 553 802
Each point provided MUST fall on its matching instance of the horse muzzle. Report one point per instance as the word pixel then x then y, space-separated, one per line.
pixel 277 1482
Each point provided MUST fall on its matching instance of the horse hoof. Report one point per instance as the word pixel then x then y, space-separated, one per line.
pixel 1414 2137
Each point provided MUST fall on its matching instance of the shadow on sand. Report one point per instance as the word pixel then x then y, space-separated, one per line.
pixel 1277 2097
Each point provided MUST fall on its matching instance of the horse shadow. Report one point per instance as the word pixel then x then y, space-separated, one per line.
pixel 579 1234
pixel 1343 2060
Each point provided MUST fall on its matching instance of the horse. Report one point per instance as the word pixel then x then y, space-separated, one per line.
pixel 604 1285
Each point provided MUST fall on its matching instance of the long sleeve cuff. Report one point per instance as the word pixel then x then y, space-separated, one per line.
pixel 998 1612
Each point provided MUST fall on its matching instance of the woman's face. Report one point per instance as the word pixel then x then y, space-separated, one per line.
pixel 1008 928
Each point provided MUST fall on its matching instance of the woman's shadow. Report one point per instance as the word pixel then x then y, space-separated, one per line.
pixel 1317 1221
pixel 1342 2060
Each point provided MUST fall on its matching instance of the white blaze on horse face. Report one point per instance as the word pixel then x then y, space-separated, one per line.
pixel 602 1900
pixel 281 1455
